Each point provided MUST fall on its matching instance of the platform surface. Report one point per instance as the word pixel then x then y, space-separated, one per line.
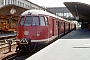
pixel 73 46
pixel 78 34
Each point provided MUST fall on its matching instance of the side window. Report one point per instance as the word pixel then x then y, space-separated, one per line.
pixel 61 23
pixel 65 24
pixel 21 21
pixel 35 21
pixel 46 20
pixel 42 23
pixel 56 24
pixel 28 21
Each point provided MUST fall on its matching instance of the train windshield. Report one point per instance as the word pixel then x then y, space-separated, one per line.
pixel 32 21
pixel 42 23
pixel 21 21
pixel 35 21
pixel 28 21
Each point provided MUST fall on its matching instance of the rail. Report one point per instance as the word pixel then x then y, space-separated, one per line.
pixel 7 42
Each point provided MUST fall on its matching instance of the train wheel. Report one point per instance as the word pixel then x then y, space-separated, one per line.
pixel 24 47
pixel 18 48
pixel 31 47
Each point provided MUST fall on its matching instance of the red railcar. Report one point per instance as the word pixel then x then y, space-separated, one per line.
pixel 37 26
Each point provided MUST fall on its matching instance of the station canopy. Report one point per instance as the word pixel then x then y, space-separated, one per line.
pixel 5 11
pixel 79 9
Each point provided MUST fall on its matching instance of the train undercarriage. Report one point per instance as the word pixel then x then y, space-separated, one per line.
pixel 25 46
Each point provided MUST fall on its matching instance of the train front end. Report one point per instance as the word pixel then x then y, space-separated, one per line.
pixel 32 29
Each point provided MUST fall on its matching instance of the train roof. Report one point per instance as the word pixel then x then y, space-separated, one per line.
pixel 40 12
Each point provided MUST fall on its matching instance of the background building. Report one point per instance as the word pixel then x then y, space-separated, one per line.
pixel 10 10
pixel 60 11
pixel 22 3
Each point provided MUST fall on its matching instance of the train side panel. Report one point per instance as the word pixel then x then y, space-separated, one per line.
pixel 55 27
pixel 62 27
pixel 50 27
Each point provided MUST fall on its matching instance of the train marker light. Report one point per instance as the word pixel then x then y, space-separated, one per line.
pixel 38 33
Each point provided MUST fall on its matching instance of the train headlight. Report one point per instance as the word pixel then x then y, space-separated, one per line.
pixel 26 32
pixel 38 33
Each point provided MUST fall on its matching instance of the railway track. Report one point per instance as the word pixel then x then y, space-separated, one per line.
pixel 14 56
pixel 21 55
pixel 4 40
pixel 24 55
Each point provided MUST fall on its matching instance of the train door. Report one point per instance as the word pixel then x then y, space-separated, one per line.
pixel 58 29
pixel 52 27
pixel 69 26
pixel 64 28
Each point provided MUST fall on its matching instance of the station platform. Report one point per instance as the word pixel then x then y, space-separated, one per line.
pixel 78 34
pixel 73 46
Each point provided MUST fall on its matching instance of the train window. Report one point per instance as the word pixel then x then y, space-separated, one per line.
pixel 56 24
pixel 21 21
pixel 35 21
pixel 28 21
pixel 46 20
pixel 42 23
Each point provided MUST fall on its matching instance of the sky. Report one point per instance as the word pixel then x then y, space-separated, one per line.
pixel 56 3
